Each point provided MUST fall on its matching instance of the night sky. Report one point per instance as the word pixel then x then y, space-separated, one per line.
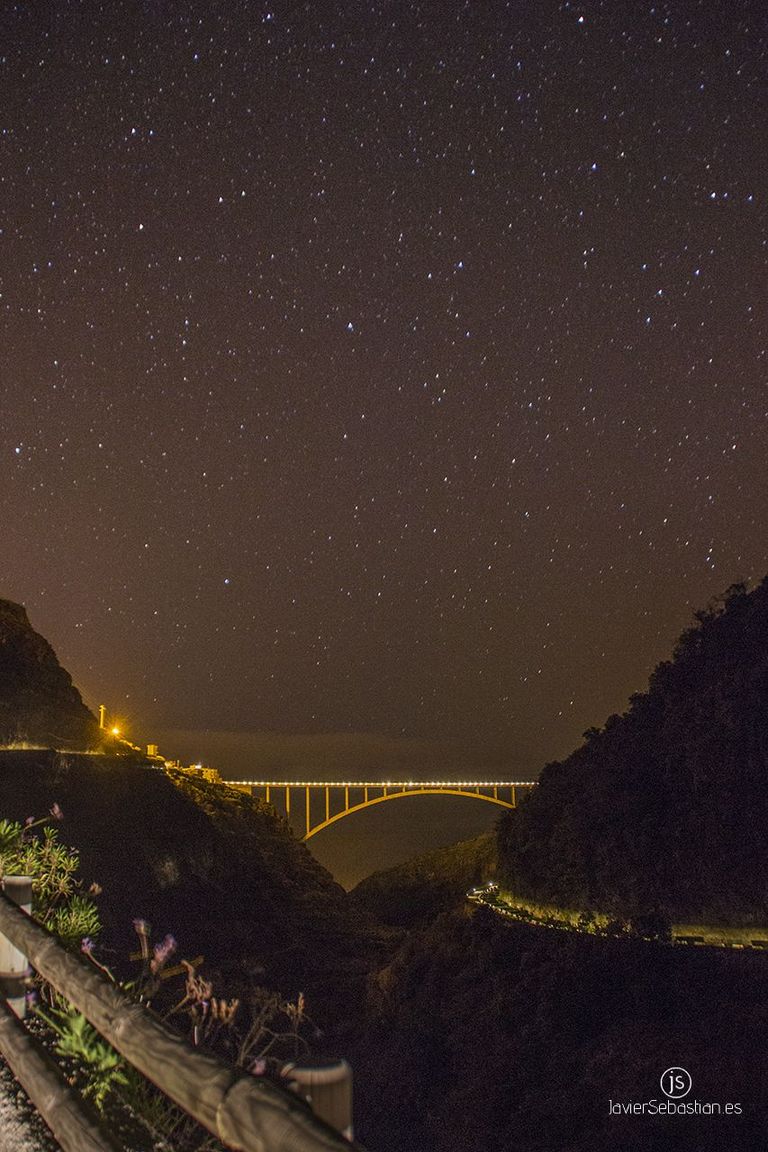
pixel 391 376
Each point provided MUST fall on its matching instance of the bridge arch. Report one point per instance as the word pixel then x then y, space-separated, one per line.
pixel 357 795
pixel 399 796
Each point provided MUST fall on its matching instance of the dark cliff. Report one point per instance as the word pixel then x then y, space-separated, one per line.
pixel 38 702
pixel 214 867
pixel 485 1034
pixel 665 809
pixel 418 890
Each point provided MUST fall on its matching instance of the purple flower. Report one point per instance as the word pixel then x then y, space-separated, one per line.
pixel 29 820
pixel 56 812
pixel 142 927
pixel 258 1067
pixel 86 945
pixel 162 953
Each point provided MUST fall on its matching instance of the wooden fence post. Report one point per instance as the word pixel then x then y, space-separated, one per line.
pixel 14 966
pixel 326 1085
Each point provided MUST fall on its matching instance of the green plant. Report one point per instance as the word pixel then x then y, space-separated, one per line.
pixel 73 921
pixel 98 1066
pixel 115 1087
pixel 33 849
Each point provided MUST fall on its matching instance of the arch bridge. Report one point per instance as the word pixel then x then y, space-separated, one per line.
pixel 323 802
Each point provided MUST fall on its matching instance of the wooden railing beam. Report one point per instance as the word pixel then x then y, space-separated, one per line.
pixel 247 1113
pixel 57 1102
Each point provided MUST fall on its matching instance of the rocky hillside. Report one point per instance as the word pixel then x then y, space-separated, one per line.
pixel 38 701
pixel 664 809
pixel 214 867
pixel 483 1034
pixel 415 892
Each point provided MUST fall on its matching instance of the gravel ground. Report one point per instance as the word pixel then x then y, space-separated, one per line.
pixel 21 1129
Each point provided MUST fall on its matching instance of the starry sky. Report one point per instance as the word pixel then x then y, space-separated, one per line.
pixel 379 377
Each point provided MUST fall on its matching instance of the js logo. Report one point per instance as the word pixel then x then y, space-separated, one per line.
pixel 676 1083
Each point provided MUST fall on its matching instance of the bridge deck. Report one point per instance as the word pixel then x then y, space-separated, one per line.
pixel 360 794
pixel 385 783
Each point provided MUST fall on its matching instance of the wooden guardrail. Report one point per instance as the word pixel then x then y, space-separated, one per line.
pixel 247 1113
pixel 72 1125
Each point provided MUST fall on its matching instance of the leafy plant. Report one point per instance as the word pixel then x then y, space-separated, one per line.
pixel 33 849
pixel 73 921
pixel 101 1069
pixel 9 837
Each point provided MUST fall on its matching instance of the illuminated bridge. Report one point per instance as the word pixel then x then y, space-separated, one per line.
pixel 323 802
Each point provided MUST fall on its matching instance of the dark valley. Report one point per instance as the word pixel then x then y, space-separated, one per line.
pixel 466 1029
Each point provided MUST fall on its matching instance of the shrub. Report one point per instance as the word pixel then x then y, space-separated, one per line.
pixel 58 901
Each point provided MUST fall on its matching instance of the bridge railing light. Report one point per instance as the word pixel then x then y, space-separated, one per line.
pixel 385 783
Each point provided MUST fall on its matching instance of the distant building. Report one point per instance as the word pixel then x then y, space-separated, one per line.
pixel 209 774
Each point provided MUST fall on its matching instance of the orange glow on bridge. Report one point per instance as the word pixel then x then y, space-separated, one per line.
pixel 360 794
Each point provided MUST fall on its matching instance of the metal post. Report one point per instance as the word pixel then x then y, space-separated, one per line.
pixel 14 966
pixel 326 1085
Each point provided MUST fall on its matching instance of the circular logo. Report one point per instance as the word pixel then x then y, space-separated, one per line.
pixel 676 1083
